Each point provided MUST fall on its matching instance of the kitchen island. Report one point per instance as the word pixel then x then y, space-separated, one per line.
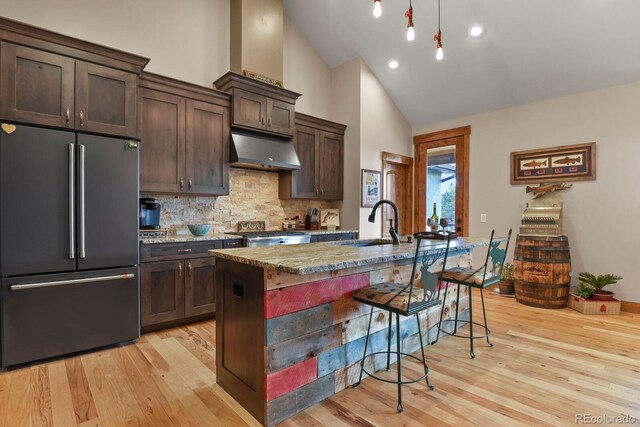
pixel 288 333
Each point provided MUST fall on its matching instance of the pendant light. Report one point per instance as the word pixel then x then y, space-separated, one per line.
pixel 438 39
pixel 409 15
pixel 377 8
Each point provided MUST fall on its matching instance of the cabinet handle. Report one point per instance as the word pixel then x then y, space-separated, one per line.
pixel 67 115
pixel 189 183
pixel 269 122
pixel 181 183
pixel 262 121
pixel 316 191
pixel 184 251
pixel 180 269
pixel 81 118
pixel 321 192
pixel 190 269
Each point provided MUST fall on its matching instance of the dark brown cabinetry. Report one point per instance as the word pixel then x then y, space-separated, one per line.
pixel 177 282
pixel 184 132
pixel 258 105
pixel 320 148
pixel 48 89
pixel 333 237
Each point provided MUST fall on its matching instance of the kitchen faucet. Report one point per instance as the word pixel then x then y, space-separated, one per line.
pixel 393 229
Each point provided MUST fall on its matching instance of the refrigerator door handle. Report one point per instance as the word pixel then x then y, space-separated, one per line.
pixel 72 220
pixel 82 253
pixel 71 282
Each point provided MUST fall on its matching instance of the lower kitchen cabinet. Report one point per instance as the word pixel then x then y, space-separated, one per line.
pixel 177 282
pixel 333 237
pixel 199 295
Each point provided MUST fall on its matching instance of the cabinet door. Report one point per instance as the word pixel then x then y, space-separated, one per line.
pixel 200 292
pixel 280 117
pixel 162 146
pixel 105 100
pixel 207 148
pixel 304 182
pixel 161 292
pixel 36 86
pixel 249 109
pixel 330 165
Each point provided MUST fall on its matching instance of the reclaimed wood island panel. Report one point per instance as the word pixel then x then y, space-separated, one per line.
pixel 289 335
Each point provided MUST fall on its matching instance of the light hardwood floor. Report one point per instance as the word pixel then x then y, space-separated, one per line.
pixel 546 367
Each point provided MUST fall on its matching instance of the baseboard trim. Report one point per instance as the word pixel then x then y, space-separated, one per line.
pixel 630 307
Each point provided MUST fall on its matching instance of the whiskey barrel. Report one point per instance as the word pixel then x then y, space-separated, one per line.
pixel 542 271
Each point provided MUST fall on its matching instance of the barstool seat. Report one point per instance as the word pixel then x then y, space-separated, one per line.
pixel 478 278
pixel 404 300
pixel 470 277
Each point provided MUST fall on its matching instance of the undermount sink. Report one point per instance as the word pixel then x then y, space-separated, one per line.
pixel 364 243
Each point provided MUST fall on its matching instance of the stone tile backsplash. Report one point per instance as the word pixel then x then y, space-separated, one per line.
pixel 253 197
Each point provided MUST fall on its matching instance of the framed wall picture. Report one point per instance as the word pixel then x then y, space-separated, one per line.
pixel 565 163
pixel 330 218
pixel 371 188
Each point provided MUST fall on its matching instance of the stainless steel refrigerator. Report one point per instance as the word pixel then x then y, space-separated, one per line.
pixel 68 242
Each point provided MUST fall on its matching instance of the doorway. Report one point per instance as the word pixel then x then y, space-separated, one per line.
pixel 442 179
pixel 397 186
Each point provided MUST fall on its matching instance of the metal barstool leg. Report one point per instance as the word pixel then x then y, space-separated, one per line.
pixel 424 359
pixel 389 341
pixel 400 407
pixel 455 324
pixel 484 314
pixel 473 355
pixel 366 342
pixel 444 302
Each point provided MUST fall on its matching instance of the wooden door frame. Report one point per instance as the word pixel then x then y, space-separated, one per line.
pixel 434 140
pixel 398 159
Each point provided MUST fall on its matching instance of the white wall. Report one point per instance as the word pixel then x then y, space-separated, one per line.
pixel 306 73
pixel 185 41
pixel 601 217
pixel 383 128
pixel 345 98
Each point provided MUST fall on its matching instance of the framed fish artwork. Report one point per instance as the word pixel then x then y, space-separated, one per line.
pixel 565 163
pixel 330 218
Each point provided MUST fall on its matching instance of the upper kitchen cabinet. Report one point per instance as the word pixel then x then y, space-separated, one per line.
pixel 259 106
pixel 320 147
pixel 184 132
pixel 52 80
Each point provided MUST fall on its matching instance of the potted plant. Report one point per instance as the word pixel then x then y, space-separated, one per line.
pixel 591 286
pixel 506 281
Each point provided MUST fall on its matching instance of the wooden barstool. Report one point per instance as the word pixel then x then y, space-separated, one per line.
pixel 474 278
pixel 404 300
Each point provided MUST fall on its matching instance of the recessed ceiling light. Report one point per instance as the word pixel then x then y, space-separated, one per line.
pixel 476 31
pixel 393 64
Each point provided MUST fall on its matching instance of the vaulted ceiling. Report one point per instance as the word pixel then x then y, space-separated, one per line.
pixel 530 49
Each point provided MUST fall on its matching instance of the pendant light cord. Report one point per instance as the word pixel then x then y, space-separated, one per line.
pixel 438 14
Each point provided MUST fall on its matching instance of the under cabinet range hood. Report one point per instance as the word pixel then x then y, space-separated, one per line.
pixel 259 151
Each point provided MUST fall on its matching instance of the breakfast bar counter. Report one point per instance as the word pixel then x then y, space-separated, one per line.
pixel 288 333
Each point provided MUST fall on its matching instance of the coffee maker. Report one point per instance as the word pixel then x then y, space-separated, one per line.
pixel 149 214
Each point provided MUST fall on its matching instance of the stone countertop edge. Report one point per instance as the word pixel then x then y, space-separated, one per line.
pixel 328 256
pixel 207 237
pixel 187 238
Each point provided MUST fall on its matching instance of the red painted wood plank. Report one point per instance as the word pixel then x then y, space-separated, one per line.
pixel 288 379
pixel 279 302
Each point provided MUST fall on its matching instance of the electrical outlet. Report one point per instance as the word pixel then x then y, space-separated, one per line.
pixel 483 217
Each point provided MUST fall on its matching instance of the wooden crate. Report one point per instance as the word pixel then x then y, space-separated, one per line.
pixel 593 307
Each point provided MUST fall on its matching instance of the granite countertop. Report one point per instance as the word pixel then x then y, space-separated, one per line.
pixel 222 236
pixel 187 238
pixel 318 257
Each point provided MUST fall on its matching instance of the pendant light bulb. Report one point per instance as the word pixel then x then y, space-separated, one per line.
pixel 411 35
pixel 377 8
pixel 439 53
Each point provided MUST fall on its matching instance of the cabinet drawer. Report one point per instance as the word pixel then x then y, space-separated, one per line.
pixel 171 251
pixel 56 314
pixel 336 237
pixel 226 244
